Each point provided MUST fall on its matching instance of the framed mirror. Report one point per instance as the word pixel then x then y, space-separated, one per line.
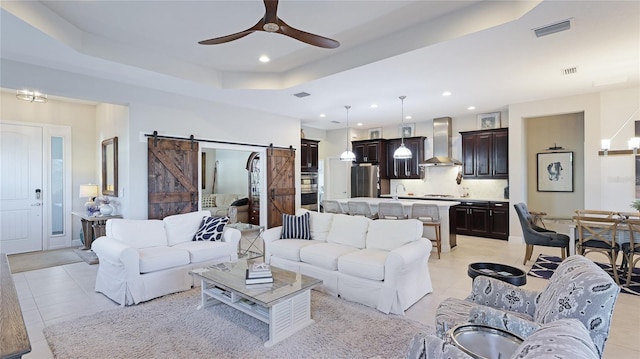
pixel 110 167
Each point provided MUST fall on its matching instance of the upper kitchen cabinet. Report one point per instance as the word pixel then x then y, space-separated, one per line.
pixel 369 151
pixel 308 155
pixel 485 154
pixel 405 169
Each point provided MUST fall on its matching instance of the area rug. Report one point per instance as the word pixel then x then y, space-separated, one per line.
pixel 172 327
pixel 545 266
pixel 24 262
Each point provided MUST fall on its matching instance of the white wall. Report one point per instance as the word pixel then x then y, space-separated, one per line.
pixel 113 121
pixel 150 110
pixel 609 181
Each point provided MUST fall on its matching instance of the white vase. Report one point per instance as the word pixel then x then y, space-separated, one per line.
pixel 106 209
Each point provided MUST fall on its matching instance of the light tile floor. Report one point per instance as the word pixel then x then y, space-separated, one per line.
pixel 62 293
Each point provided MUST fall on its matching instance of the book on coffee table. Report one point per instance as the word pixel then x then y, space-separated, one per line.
pixel 264 278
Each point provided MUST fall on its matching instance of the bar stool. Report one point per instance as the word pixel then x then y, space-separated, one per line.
pixel 360 208
pixel 391 210
pixel 331 206
pixel 429 215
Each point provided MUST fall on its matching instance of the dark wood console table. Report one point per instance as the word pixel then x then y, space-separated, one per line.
pixel 92 226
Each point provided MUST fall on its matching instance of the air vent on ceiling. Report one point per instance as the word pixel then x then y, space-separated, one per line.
pixel 570 70
pixel 301 94
pixel 553 28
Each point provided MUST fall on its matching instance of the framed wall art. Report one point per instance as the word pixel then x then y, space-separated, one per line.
pixel 555 171
pixel 489 120
pixel 375 133
pixel 407 130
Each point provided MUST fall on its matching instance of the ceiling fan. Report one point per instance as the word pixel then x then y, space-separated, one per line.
pixel 272 23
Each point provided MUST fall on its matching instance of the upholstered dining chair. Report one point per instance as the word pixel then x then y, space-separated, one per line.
pixel 391 210
pixel 631 249
pixel 331 206
pixel 429 215
pixel 538 236
pixel 360 208
pixel 597 234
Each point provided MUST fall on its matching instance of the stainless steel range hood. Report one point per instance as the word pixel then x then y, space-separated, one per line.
pixel 441 144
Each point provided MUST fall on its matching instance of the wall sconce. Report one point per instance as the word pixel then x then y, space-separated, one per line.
pixel 633 144
pixel 31 96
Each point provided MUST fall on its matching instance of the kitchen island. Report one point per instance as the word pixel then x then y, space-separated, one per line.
pixel 447 236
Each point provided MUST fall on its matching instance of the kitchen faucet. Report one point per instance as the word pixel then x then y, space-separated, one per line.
pixel 395 196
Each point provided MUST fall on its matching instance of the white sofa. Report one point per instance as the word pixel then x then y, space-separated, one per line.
pixel 379 263
pixel 145 259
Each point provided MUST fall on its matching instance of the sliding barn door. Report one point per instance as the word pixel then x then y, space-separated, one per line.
pixel 173 177
pixel 281 188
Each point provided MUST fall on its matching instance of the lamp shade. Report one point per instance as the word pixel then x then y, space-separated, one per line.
pixel 402 153
pixel 348 156
pixel 88 190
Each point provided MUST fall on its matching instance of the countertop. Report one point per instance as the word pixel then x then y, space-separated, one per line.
pixel 455 199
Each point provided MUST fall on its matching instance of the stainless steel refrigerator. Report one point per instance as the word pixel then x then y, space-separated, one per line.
pixel 365 181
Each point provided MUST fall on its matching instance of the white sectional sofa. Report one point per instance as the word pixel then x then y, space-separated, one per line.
pixel 145 259
pixel 379 263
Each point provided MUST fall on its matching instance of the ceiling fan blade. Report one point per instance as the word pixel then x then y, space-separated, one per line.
pixel 237 35
pixel 309 38
pixel 271 8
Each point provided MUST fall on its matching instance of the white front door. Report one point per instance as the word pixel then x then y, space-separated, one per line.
pixel 20 188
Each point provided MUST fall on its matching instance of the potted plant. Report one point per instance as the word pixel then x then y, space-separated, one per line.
pixel 636 204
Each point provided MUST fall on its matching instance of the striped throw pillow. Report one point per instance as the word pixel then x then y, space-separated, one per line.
pixel 295 227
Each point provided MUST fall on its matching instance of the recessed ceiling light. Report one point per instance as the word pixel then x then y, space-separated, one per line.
pixel 323 115
pixel 408 117
pixel 471 108
pixel 446 93
pixel 359 124
pixel 264 58
pixel 373 105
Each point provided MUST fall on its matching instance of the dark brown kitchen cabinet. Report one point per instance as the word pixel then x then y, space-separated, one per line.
pixel 482 219
pixel 369 151
pixel 372 151
pixel 308 155
pixel 405 169
pixel 485 154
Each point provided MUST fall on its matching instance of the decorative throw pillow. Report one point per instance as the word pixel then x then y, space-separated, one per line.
pixel 240 202
pixel 295 227
pixel 211 229
pixel 208 201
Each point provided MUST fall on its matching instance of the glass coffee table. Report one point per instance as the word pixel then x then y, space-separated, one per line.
pixel 285 305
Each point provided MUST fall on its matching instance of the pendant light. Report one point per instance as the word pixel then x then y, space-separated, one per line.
pixel 402 152
pixel 347 155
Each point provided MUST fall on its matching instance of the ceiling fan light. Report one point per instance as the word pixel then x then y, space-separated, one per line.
pixel 402 153
pixel 31 96
pixel 348 156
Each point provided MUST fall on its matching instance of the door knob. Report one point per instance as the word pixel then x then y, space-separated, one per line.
pixel 36 204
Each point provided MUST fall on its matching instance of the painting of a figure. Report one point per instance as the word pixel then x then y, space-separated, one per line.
pixel 555 172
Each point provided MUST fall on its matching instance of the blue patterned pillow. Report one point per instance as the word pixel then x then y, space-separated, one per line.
pixel 295 227
pixel 211 229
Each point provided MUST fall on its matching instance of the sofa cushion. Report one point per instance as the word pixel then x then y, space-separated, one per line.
pixel 181 227
pixel 200 251
pixel 240 202
pixel 225 199
pixel 325 255
pixel 365 263
pixel 319 223
pixel 349 230
pixel 137 233
pixel 208 200
pixel 290 248
pixel 211 229
pixel 153 259
pixel 295 227
pixel 389 234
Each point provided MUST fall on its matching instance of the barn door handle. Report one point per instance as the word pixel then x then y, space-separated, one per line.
pixel 273 193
